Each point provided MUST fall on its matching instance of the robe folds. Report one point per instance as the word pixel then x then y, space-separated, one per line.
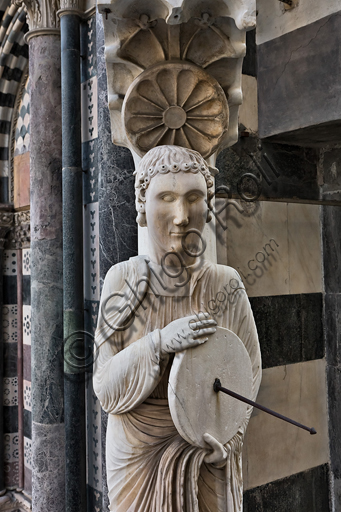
pixel 150 467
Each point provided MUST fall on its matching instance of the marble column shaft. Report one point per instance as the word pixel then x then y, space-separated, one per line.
pixel 2 454
pixel 74 382
pixel 48 439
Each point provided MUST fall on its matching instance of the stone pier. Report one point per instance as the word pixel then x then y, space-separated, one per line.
pixel 48 458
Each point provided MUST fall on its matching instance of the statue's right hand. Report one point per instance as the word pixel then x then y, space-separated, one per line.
pixel 187 332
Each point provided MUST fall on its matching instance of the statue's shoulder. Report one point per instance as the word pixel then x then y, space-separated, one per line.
pixel 224 272
pixel 126 270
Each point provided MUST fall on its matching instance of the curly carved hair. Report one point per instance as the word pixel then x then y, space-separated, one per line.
pixel 162 160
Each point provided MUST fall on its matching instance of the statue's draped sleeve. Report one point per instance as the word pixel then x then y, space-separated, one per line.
pixel 125 374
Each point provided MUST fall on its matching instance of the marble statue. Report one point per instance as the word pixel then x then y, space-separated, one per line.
pixel 152 308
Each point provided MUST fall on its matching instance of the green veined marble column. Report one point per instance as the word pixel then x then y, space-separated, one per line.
pixel 48 439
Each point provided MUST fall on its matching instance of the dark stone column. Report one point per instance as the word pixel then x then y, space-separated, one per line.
pixel 2 460
pixel 117 225
pixel 5 225
pixel 331 219
pixel 74 350
pixel 48 458
pixel 2 454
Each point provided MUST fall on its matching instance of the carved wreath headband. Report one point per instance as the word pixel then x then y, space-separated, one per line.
pixel 165 159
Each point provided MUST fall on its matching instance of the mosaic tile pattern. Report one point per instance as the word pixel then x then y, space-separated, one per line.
pixel 10 387
pixel 90 167
pixel 27 395
pixel 88 38
pixel 91 251
pixel 94 437
pixel 27 391
pixel 28 453
pixel 89 109
pixel 11 447
pixel 10 323
pixel 10 263
pixel 27 324
pixel 10 381
pixel 26 262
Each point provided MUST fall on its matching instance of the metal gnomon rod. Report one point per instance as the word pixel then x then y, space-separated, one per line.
pixel 218 387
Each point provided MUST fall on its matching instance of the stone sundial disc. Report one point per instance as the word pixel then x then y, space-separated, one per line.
pixel 195 407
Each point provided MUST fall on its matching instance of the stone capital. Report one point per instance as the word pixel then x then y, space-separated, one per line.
pixel 41 16
pixel 76 5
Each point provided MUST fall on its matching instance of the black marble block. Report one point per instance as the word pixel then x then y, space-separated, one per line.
pixel 299 84
pixel 290 328
pixel 303 492
pixel 334 407
pixel 117 214
pixel 284 171
pixel 10 289
pixel 332 327
pixel 26 290
pixel 10 413
pixel 250 59
pixel 27 424
pixel 10 355
pixel 331 222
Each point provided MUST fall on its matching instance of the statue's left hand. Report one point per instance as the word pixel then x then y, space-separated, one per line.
pixel 219 454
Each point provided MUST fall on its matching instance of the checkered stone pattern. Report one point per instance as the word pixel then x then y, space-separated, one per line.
pixel 10 388
pixel 22 129
pixel 10 376
pixel 91 251
pixel 11 459
pixel 27 390
pixel 10 321
pixel 13 62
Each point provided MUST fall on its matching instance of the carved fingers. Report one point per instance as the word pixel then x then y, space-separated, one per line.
pixel 187 332
pixel 218 455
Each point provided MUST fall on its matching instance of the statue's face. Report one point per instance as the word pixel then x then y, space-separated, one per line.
pixel 175 203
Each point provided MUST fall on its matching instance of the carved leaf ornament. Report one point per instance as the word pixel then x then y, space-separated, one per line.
pixel 175 103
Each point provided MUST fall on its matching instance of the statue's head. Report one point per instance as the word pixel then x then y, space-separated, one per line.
pixel 173 189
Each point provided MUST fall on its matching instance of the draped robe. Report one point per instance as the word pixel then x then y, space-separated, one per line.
pixel 150 468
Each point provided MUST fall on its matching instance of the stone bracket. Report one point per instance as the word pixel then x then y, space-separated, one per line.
pixel 140 34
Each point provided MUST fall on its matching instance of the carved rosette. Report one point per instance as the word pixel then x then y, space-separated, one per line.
pixel 175 103
pixel 140 35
